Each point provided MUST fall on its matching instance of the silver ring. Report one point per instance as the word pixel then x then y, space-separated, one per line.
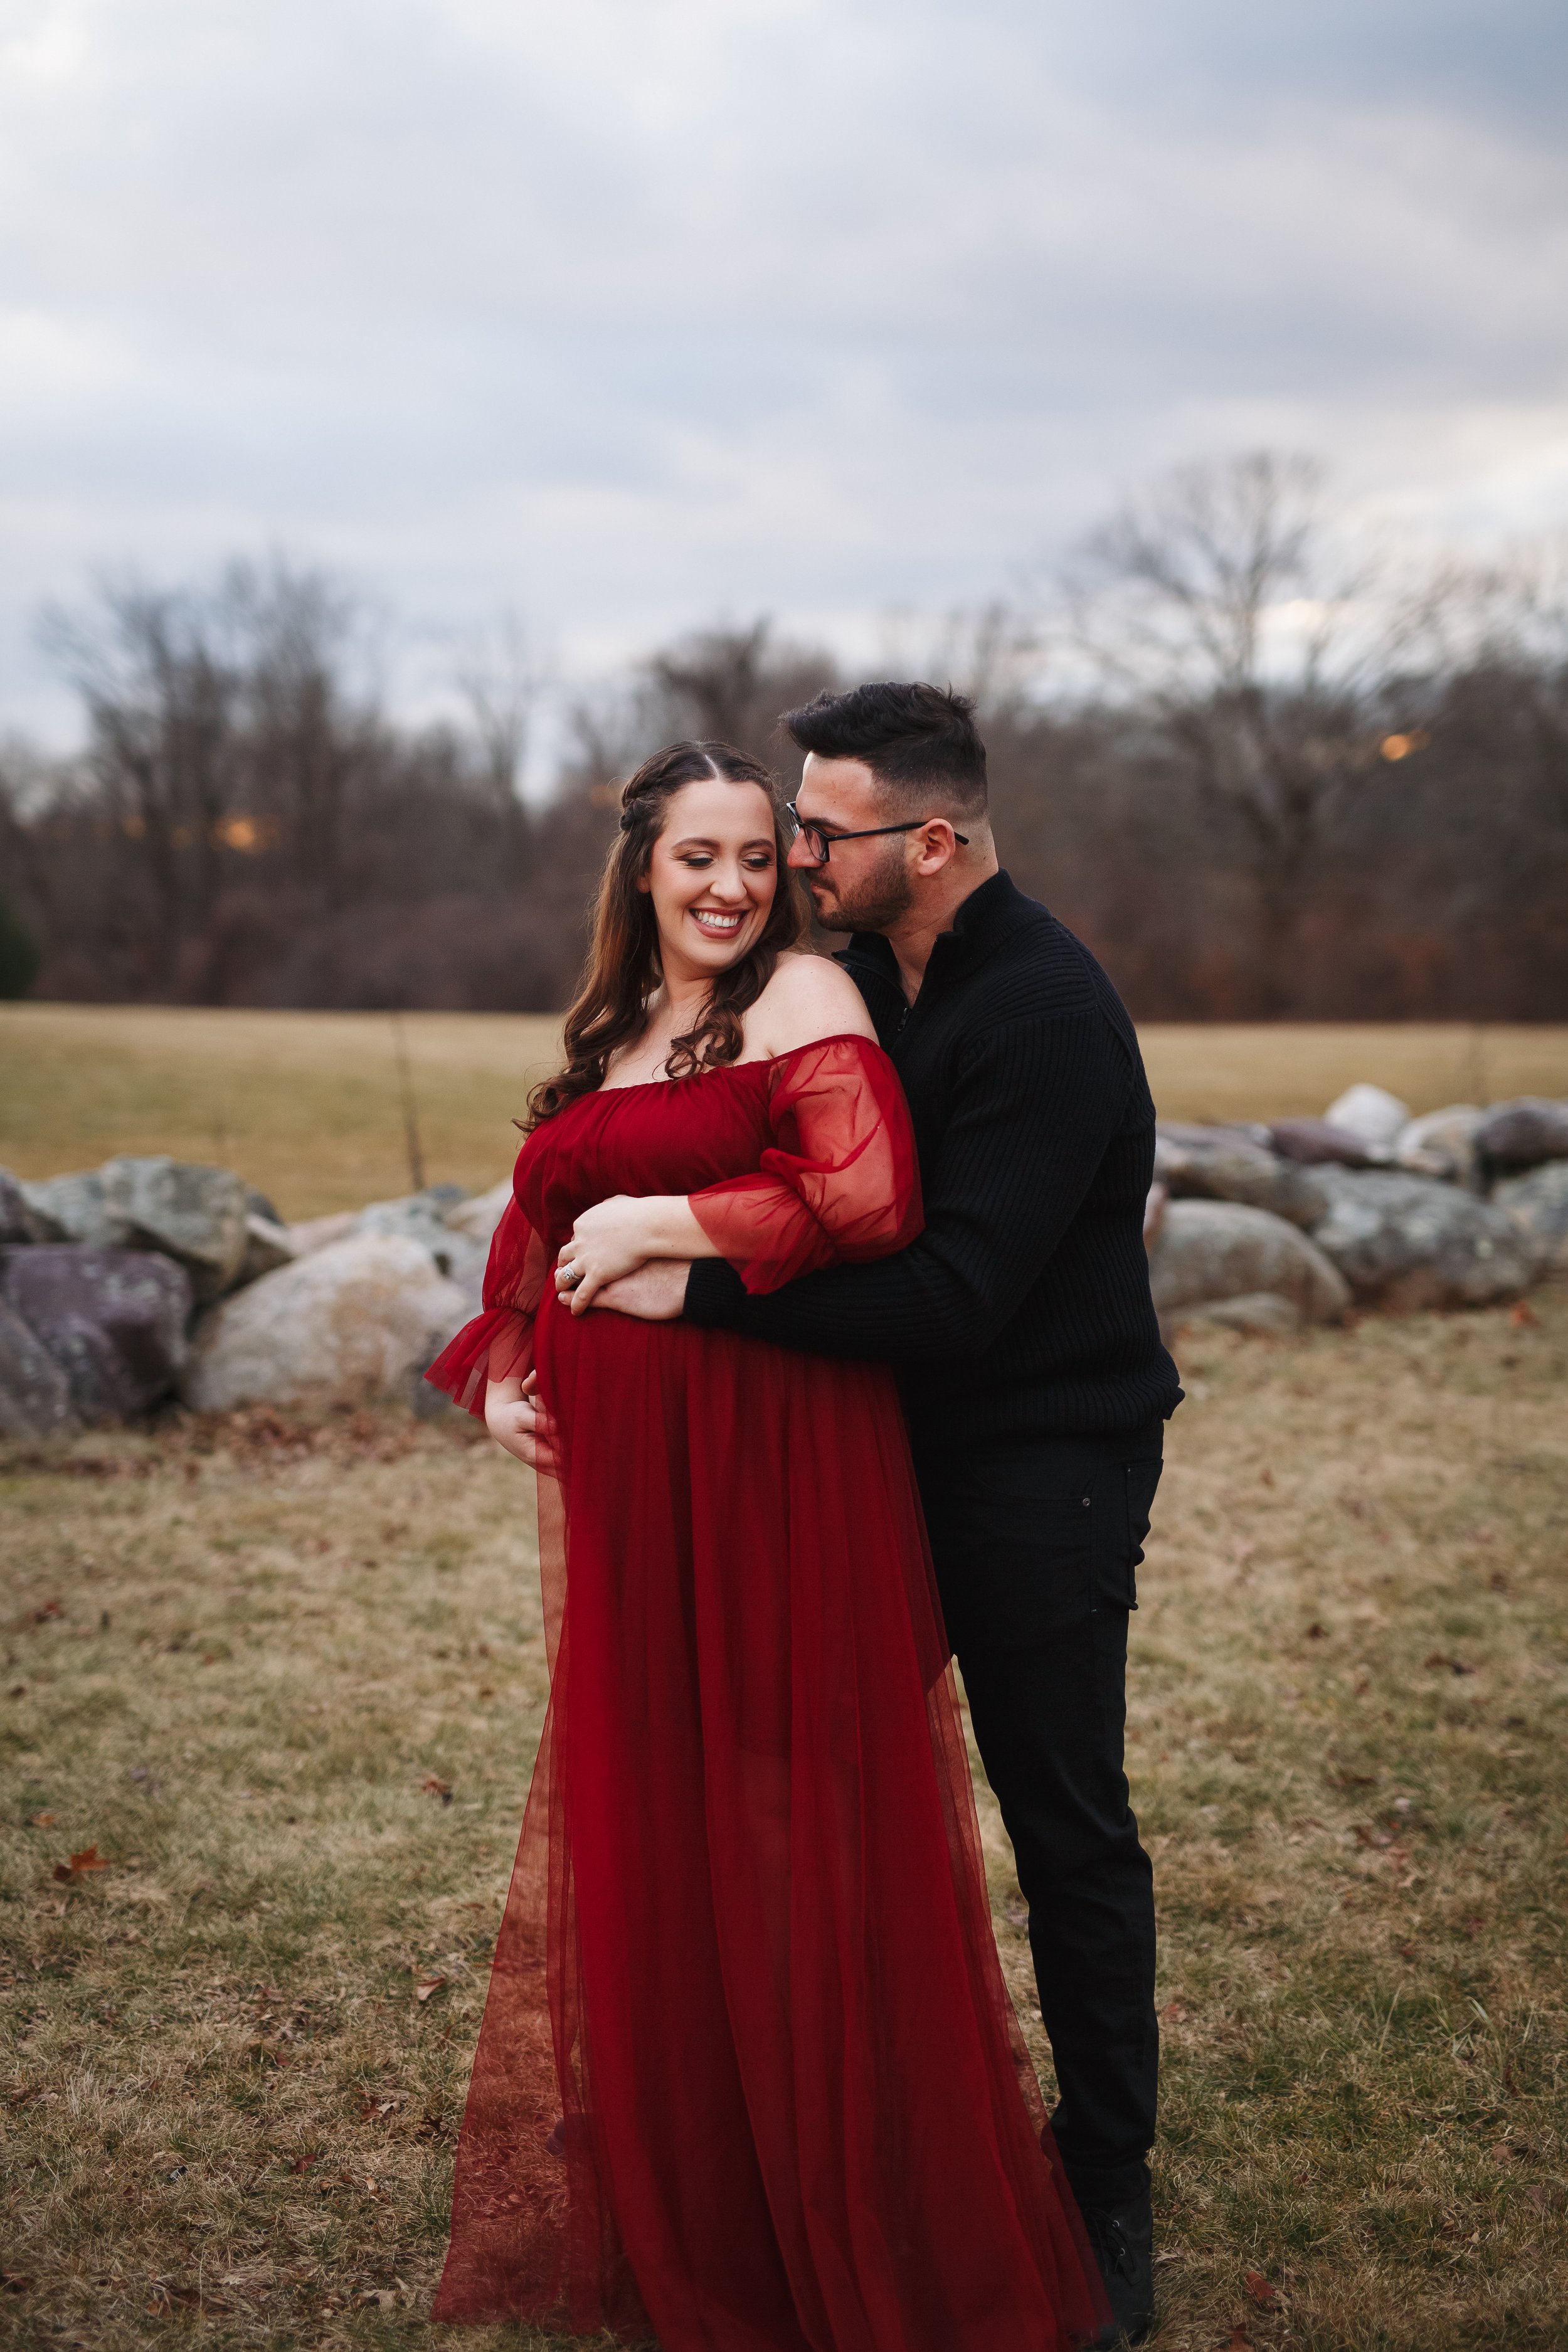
pixel 572 1273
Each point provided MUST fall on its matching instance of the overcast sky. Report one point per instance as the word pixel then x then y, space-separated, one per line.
pixel 631 314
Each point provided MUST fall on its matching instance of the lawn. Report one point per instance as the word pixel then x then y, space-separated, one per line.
pixel 309 1106
pixel 282 1680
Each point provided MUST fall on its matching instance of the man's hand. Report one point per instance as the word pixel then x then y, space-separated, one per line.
pixel 656 1293
pixel 515 1420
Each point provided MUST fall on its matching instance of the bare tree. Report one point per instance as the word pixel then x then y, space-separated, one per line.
pixel 501 681
pixel 1222 611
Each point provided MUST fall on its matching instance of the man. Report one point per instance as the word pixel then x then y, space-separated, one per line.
pixel 1035 1386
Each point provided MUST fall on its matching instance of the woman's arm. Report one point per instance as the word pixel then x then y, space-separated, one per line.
pixel 808 999
pixel 616 1236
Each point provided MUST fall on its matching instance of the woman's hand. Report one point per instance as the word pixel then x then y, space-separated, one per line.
pixel 618 1235
pixel 515 1419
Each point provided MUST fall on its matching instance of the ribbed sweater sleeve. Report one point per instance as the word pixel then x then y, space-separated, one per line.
pixel 1034 1104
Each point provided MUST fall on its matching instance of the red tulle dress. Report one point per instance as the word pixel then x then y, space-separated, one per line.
pixel 749 2079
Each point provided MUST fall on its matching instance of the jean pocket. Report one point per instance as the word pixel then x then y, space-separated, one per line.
pixel 1013 1566
pixel 1123 1502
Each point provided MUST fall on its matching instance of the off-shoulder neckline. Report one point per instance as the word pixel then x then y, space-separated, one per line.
pixel 733 1069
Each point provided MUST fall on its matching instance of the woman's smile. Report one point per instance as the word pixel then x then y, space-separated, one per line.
pixel 717 923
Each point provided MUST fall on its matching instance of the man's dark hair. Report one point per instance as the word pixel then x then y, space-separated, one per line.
pixel 919 742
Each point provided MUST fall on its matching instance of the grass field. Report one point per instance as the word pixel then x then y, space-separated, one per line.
pixel 286 1679
pixel 308 1106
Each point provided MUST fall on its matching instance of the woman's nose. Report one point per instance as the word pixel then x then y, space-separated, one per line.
pixel 727 882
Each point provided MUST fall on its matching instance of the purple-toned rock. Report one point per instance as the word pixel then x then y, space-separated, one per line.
pixel 1315 1143
pixel 112 1319
pixel 1442 1143
pixel 1523 1133
pixel 35 1394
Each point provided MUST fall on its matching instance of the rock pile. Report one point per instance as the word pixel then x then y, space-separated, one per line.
pixel 123 1284
pixel 1264 1227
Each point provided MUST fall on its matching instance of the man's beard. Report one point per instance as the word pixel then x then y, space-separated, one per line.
pixel 872 903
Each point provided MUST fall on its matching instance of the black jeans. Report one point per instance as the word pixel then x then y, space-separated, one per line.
pixel 1036 1547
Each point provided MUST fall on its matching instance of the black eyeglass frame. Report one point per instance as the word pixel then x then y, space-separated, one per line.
pixel 813 834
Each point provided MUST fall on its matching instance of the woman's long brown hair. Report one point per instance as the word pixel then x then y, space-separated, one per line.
pixel 610 1007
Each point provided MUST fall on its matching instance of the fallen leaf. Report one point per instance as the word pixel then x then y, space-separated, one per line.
pixel 1240 2341
pixel 303 2163
pixel 432 1787
pixel 43 1821
pixel 1263 2291
pixel 80 1863
pixel 429 1986
pixel 50 1609
pixel 1364 1834
pixel 1176 2011
pixel 1500 2152
pixel 1522 1315
pixel 1455 1665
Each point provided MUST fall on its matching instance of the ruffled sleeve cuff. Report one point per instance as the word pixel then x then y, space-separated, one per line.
pixel 496 1345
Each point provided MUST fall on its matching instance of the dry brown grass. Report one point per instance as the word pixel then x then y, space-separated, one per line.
pixel 307 1106
pixel 239 1655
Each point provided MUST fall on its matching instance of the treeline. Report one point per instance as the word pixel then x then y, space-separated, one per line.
pixel 1261 776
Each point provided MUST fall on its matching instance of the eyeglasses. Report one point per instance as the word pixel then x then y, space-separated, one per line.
pixel 820 843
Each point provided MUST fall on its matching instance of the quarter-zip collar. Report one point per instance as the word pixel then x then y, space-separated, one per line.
pixel 987 918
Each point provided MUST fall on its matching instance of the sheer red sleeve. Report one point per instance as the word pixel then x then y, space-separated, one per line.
pixel 839 1181
pixel 498 1345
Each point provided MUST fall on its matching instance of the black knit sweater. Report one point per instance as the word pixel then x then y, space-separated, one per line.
pixel 1023 1310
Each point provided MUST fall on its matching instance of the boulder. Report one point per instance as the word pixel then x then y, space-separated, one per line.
pixel 113 1319
pixel 1220 1163
pixel 313 1234
pixel 1442 1143
pixel 1411 1241
pixel 1223 1249
pixel 350 1320
pixel 15 1223
pixel 73 1209
pixel 1523 1133
pixel 267 1246
pixel 1538 1204
pixel 479 1217
pixel 1371 1114
pixel 35 1394
pixel 1313 1143
pixel 1262 1314
pixel 188 1212
pixel 423 1217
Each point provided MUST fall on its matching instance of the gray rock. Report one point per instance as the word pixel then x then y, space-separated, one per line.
pixel 188 1212
pixel 1262 1314
pixel 1442 1143
pixel 72 1209
pixel 1537 1203
pixel 1218 1163
pixel 113 1319
pixel 1371 1114
pixel 423 1217
pixel 1223 1249
pixel 353 1319
pixel 1410 1242
pixel 15 1225
pixel 1313 1143
pixel 35 1394
pixel 1523 1133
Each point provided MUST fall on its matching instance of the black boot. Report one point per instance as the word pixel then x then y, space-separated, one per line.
pixel 1123 2242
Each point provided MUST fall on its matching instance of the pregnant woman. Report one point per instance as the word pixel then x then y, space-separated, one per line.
pixel 749 2079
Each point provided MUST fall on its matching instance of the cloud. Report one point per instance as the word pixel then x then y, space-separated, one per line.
pixel 645 310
